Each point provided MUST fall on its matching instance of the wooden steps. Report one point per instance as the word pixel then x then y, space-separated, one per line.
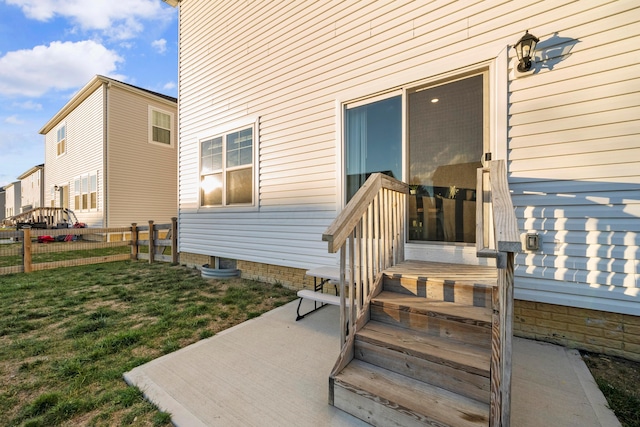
pixel 439 318
pixel 424 356
pixel 452 365
pixel 384 398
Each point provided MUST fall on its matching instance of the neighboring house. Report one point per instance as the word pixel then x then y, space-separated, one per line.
pixel 110 155
pixel 2 203
pixel 12 199
pixel 32 188
pixel 283 116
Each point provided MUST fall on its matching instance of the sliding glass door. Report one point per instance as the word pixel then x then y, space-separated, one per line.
pixel 446 136
pixel 446 139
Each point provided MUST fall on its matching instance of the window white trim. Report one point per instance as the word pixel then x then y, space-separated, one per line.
pixel 151 125
pixel 61 140
pixel 498 105
pixel 223 131
pixel 88 188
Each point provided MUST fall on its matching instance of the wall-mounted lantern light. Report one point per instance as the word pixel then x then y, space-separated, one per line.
pixel 525 48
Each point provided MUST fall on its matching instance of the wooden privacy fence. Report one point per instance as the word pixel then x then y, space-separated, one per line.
pixel 30 249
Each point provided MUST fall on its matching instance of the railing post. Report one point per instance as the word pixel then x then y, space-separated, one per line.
pixel 134 241
pixel 26 250
pixel 151 245
pixel 174 240
pixel 506 315
pixel 343 308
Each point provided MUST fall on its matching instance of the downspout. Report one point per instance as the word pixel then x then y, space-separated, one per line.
pixel 105 152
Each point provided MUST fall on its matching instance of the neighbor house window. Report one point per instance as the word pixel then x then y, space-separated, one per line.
pixel 160 129
pixel 61 140
pixel 85 189
pixel 226 169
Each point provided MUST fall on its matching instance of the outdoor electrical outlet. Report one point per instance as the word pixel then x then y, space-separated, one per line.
pixel 532 242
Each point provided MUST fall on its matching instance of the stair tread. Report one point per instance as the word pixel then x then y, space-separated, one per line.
pixel 445 272
pixel 415 398
pixel 424 305
pixel 459 355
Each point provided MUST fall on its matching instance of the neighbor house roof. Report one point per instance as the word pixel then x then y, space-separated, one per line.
pixel 173 3
pixel 31 171
pixel 90 87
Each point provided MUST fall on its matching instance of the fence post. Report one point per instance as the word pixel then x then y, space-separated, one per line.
pixel 134 241
pixel 152 248
pixel 26 250
pixel 174 240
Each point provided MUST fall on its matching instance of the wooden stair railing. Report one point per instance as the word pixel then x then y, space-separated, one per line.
pixel 497 236
pixel 371 228
pixel 370 235
pixel 44 215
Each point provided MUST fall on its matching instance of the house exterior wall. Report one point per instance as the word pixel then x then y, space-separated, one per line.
pixel 12 199
pixel 574 157
pixel 141 176
pixel 2 204
pixel 32 189
pixel 305 60
pixel 84 154
pixel 568 128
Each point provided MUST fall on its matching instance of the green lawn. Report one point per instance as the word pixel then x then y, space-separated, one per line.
pixel 67 336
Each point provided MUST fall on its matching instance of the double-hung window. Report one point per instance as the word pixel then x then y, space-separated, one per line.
pixel 86 192
pixel 226 169
pixel 61 140
pixel 160 127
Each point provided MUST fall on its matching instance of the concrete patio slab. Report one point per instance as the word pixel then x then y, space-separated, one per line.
pixel 273 371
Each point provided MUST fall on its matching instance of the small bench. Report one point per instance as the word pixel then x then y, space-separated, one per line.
pixel 321 276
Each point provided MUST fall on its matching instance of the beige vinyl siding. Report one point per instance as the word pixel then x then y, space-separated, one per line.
pixel 30 189
pixel 84 154
pixel 574 165
pixel 12 199
pixel 141 176
pixel 571 125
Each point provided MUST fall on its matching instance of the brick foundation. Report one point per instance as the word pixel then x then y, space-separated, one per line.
pixel 292 278
pixel 195 260
pixel 591 330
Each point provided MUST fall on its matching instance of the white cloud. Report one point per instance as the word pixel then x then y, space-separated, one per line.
pixel 28 105
pixel 118 19
pixel 169 86
pixel 59 66
pixel 14 120
pixel 159 45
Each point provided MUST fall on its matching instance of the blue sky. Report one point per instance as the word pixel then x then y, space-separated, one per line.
pixel 49 49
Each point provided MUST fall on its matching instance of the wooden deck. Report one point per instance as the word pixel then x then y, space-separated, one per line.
pixel 441 272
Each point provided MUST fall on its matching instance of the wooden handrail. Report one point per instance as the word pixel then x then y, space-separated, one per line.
pixel 48 215
pixel 498 236
pixel 337 233
pixel 370 235
pixel 504 217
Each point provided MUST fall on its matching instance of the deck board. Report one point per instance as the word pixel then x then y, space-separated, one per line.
pixel 441 272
